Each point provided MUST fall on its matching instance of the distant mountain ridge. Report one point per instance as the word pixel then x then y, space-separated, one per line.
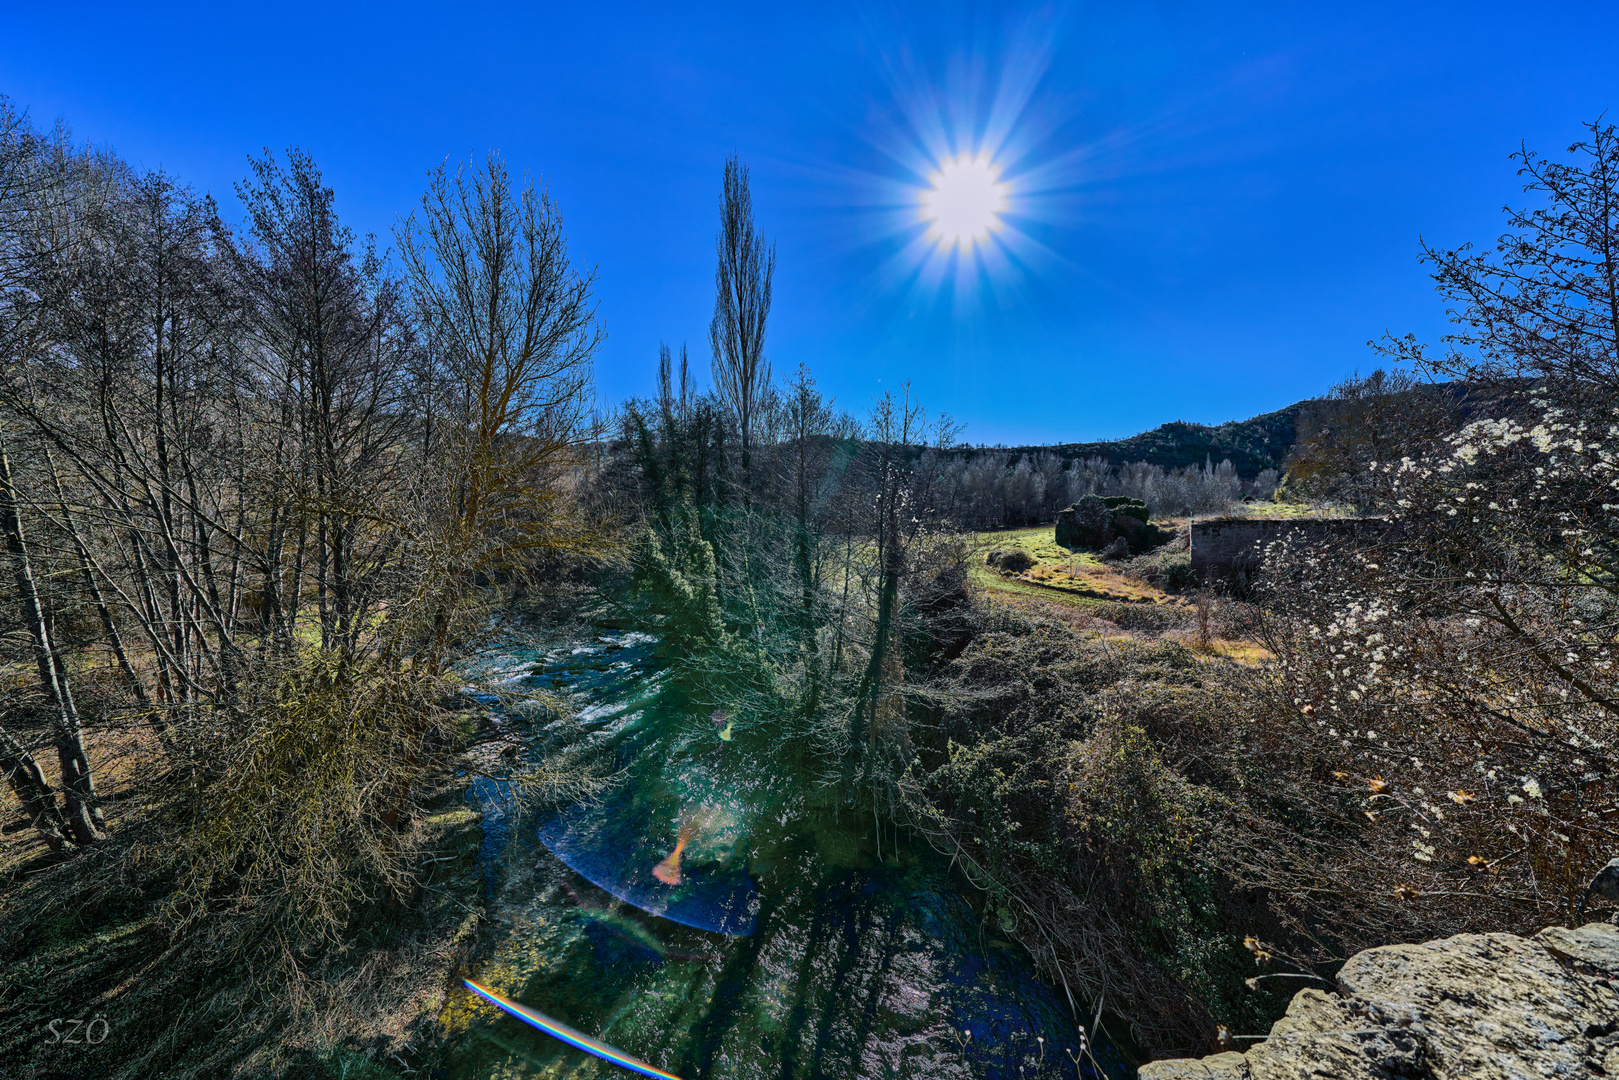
pixel 1264 441
pixel 1261 442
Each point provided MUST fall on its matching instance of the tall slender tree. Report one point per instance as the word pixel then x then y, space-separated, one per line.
pixel 742 282
pixel 332 343
pixel 82 815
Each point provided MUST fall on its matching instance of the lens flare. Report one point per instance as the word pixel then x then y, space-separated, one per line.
pixel 577 1039
pixel 965 202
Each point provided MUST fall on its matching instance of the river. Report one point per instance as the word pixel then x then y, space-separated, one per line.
pixel 787 948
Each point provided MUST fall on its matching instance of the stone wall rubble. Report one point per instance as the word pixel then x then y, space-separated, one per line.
pixel 1222 545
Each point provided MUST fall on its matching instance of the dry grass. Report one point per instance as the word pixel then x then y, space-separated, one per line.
pixel 1277 510
pixel 1092 598
pixel 81 935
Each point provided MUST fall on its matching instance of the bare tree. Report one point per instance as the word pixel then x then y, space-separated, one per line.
pixel 514 329
pixel 35 197
pixel 22 189
pixel 82 816
pixel 332 350
pixel 901 513
pixel 741 306
pixel 809 423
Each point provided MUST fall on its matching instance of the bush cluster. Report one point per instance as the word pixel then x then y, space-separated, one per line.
pixel 1170 571
pixel 1011 561
pixel 1087 785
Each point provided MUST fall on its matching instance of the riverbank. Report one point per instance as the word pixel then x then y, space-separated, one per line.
pixel 94 984
pixel 1478 1006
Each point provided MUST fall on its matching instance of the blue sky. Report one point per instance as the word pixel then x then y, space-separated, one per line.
pixel 1211 207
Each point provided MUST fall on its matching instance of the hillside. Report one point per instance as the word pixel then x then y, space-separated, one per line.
pixel 1264 441
pixel 1261 442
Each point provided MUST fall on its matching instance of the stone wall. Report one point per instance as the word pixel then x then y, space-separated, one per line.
pixel 1476 1006
pixel 1221 545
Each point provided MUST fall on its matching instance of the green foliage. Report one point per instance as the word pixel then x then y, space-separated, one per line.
pixel 305 796
pixel 679 587
pixel 1170 571
pixel 1011 561
pixel 676 575
pixel 1123 504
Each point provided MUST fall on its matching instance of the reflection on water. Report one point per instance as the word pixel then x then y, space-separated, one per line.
pixel 786 949
pixel 622 853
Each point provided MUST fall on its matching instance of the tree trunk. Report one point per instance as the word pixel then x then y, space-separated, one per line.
pixel 807 627
pixel 83 818
pixel 109 625
pixel 892 563
pixel 28 784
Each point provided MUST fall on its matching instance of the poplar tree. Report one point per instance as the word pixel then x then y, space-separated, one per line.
pixel 742 282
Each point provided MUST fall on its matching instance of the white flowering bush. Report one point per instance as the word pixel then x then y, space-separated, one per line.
pixel 1446 689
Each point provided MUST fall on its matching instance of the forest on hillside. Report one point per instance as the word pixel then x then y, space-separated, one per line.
pixel 1252 446
pixel 269 492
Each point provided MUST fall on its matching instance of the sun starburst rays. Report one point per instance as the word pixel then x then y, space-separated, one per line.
pixel 977 145
pixel 969 176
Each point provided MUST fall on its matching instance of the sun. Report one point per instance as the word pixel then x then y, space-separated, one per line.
pixel 965 202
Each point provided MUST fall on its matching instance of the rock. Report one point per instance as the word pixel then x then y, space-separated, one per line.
pixel 1088 523
pixel 1605 885
pixel 1227 1066
pixel 1598 950
pixel 1094 522
pixel 1481 1006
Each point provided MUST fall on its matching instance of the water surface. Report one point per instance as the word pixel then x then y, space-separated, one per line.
pixel 787 949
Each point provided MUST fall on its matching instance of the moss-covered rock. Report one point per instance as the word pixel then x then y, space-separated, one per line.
pixel 1095 522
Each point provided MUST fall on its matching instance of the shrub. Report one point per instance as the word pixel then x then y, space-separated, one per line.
pixel 1121 504
pixel 1170 571
pixel 1177 573
pixel 1010 560
pixel 1141 618
pixel 1082 783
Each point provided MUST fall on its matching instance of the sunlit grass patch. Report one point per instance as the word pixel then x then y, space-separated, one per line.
pixel 985 578
pixel 1237 650
pixel 1080 573
pixel 1288 510
pixel 1100 582
pixel 1099 594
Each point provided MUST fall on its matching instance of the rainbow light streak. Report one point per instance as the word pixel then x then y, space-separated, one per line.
pixel 575 1039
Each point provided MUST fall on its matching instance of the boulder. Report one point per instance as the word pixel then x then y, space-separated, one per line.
pixel 1095 522
pixel 1483 1006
